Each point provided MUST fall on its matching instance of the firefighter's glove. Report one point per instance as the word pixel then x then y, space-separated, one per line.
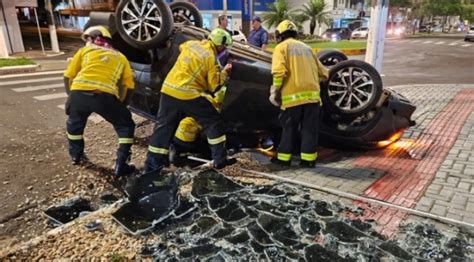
pixel 275 96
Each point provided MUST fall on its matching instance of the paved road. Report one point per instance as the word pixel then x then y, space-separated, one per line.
pixel 42 90
pixel 428 61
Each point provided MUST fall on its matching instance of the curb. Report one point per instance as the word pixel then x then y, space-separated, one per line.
pixel 346 51
pixel 7 70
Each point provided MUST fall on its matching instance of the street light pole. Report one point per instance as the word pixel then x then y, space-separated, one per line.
pixel 224 6
pixel 52 27
pixel 377 25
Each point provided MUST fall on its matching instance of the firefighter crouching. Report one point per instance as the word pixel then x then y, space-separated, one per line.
pixel 186 137
pixel 99 80
pixel 296 75
pixel 195 75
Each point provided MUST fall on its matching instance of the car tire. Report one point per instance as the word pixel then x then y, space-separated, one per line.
pixel 358 79
pixel 154 26
pixel 185 11
pixel 330 57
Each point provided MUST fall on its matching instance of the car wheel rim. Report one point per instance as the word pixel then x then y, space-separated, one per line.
pixel 141 20
pixel 330 61
pixel 350 89
pixel 182 15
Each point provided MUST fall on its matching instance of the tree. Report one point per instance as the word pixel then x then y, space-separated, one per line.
pixel 401 3
pixel 314 11
pixel 298 19
pixel 277 12
pixel 468 13
pixel 444 8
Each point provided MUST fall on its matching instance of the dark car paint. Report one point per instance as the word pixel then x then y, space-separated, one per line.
pixel 341 33
pixel 248 114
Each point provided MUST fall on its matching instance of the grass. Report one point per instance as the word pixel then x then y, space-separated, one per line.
pixel 344 44
pixel 16 61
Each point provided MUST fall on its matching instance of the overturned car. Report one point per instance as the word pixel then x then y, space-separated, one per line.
pixel 357 111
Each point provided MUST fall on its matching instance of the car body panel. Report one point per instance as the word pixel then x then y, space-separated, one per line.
pixel 246 110
pixel 337 34
pixel 362 32
pixel 238 36
pixel 470 34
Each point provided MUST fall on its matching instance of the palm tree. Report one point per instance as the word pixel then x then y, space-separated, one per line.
pixel 277 12
pixel 314 11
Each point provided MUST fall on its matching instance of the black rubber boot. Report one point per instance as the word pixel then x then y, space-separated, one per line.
pixel 76 160
pixel 277 161
pixel 122 168
pixel 226 162
pixel 307 164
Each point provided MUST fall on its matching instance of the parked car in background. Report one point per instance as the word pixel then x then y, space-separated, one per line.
pixel 336 34
pixel 470 34
pixel 238 36
pixel 437 28
pixel 361 32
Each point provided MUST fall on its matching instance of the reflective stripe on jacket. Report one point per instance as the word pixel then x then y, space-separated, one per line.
pixel 97 68
pixel 196 71
pixel 298 72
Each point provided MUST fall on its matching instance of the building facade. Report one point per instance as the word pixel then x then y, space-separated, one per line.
pixel 342 12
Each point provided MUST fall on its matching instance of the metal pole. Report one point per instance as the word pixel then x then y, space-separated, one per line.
pixel 251 9
pixel 39 32
pixel 224 6
pixel 52 28
pixel 377 25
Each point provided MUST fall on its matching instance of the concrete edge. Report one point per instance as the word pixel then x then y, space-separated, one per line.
pixel 7 70
pixel 428 84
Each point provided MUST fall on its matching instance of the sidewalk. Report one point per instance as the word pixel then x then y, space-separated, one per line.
pixel 49 61
pixel 431 168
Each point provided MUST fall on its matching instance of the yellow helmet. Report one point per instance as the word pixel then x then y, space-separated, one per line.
pixel 219 36
pixel 95 31
pixel 286 25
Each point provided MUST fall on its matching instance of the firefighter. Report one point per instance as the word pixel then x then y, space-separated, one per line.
pixel 185 92
pixel 188 132
pixel 99 80
pixel 296 76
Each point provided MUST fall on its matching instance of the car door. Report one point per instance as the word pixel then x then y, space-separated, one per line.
pixel 345 34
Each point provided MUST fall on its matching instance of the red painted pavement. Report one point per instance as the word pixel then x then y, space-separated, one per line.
pixel 406 178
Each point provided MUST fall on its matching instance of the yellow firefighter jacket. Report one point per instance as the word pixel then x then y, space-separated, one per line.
pixel 297 71
pixel 195 72
pixel 97 68
pixel 189 129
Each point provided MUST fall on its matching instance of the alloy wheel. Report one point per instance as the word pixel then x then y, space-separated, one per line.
pixel 141 20
pixel 350 89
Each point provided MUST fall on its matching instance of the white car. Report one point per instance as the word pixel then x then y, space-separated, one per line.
pixel 470 34
pixel 361 32
pixel 238 36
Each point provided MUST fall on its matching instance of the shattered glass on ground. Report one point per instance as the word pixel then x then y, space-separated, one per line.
pixel 67 211
pixel 221 220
